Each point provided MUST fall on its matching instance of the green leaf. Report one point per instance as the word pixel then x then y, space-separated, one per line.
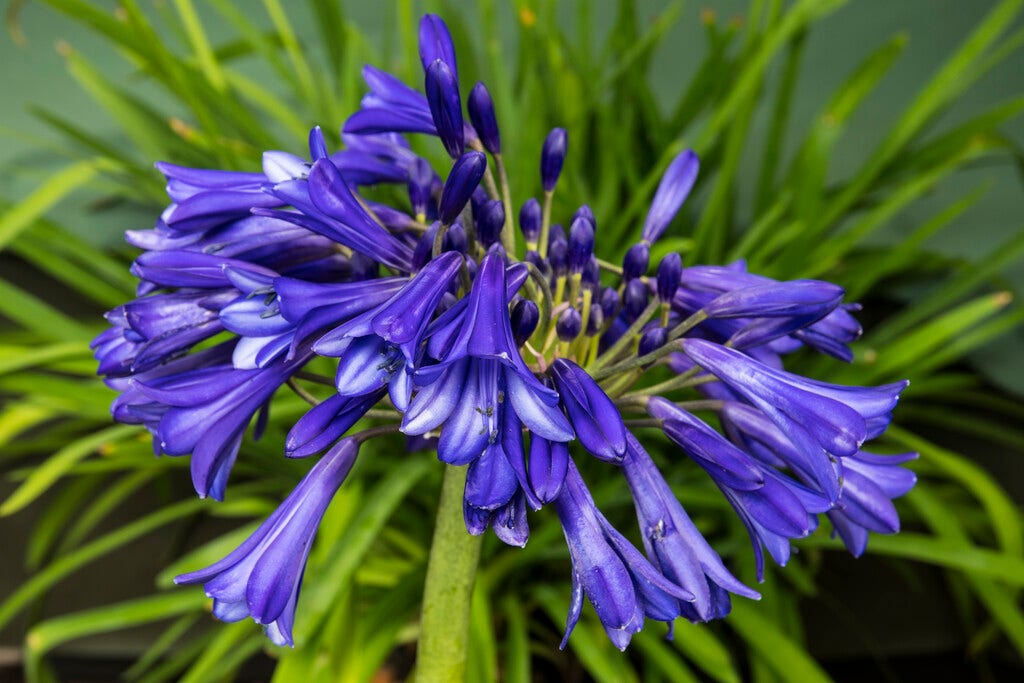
pixel 517 667
pixel 57 465
pixel 44 197
pixel 588 641
pixel 700 645
pixel 225 652
pixel 955 76
pixel 929 337
pixel 200 44
pixel 659 656
pixel 47 635
pixel 787 659
pixel 47 577
pixel 943 553
pixel 348 553
pixel 15 358
pixel 161 645
pixel 34 314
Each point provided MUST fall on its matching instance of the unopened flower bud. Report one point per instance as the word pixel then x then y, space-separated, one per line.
pixel 446 107
pixel 421 184
pixel 675 185
pixel 525 316
pixel 436 43
pixel 490 220
pixel 455 238
pixel 581 244
pixel 462 181
pixel 670 271
pixel 652 339
pixel 558 257
pixel 568 325
pixel 529 219
pixel 592 273
pixel 481 114
pixel 552 157
pixel 585 212
pixel 636 261
pixel 634 299
pixel 610 303
pixel 596 320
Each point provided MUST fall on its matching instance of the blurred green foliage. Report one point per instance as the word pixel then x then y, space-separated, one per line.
pixel 363 582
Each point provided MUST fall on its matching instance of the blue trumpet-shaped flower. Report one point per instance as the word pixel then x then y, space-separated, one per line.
pixel 262 577
pixel 620 583
pixel 675 545
pixel 774 508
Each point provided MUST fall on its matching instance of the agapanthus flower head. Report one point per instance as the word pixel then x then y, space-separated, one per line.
pixel 518 363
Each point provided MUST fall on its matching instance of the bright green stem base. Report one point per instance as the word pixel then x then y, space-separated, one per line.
pixel 451 570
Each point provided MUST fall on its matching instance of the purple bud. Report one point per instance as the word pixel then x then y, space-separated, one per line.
pixel 525 316
pixel 478 199
pixel 549 461
pixel 636 261
pixel 675 185
pixel 569 324
pixel 652 339
pixel 552 157
pixel 463 179
pixel 585 212
pixel 317 145
pixel 481 113
pixel 596 320
pixel 595 418
pixel 556 233
pixel 609 303
pixel 490 221
pixel 670 271
pixel 542 265
pixel 592 273
pixel 581 244
pixel 529 219
pixel 421 183
pixel 635 298
pixel 455 238
pixel 424 246
pixel 436 43
pixel 811 298
pixel 445 107
pixel 558 257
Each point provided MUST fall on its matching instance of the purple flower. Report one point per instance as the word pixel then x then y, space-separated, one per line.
pixel 479 376
pixel 462 181
pixel 594 417
pixel 870 482
pixel 446 107
pixel 381 347
pixel 773 508
pixel 436 42
pixel 552 157
pixel 623 587
pixel 254 280
pixel 481 113
pixel 207 412
pixel 675 186
pixel 262 577
pixel 838 418
pixel 674 544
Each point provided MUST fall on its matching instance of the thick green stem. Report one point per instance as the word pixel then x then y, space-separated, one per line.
pixel 451 571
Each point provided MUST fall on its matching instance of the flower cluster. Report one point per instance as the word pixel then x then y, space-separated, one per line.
pixel 501 362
